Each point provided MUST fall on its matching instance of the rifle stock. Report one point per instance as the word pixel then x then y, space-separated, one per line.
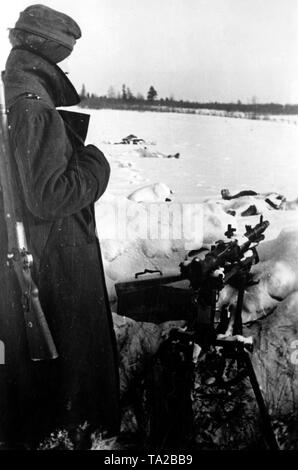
pixel 40 342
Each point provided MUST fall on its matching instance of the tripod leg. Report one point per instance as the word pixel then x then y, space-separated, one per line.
pixel 268 430
pixel 237 328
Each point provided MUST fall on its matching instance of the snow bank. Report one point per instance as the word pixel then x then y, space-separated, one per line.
pixel 158 235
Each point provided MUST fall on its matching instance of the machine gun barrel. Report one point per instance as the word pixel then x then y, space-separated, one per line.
pixel 255 234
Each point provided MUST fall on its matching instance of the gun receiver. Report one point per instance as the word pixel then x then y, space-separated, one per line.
pixel 223 255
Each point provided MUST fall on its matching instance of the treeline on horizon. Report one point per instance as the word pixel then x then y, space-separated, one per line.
pixel 126 100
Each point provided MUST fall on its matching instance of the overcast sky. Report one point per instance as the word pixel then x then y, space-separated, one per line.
pixel 218 50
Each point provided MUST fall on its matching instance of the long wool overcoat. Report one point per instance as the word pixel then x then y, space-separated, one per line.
pixel 57 179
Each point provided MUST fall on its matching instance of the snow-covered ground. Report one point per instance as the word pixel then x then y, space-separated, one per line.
pixel 215 153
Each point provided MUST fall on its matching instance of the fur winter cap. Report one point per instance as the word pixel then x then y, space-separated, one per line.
pixel 49 24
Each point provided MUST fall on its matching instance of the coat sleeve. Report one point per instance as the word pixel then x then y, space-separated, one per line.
pixel 55 184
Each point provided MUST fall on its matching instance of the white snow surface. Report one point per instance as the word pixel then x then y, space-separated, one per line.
pixel 215 153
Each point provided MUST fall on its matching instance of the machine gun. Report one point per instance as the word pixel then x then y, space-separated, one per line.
pixel 40 341
pixel 226 255
pixel 154 297
pixel 227 262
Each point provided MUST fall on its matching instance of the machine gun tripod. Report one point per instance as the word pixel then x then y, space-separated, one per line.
pixel 208 278
pixel 227 263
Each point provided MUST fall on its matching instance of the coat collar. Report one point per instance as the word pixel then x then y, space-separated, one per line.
pixel 27 71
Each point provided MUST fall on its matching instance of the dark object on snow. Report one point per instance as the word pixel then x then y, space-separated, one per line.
pixel 225 194
pixel 131 139
pixel 274 200
pixel 175 155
